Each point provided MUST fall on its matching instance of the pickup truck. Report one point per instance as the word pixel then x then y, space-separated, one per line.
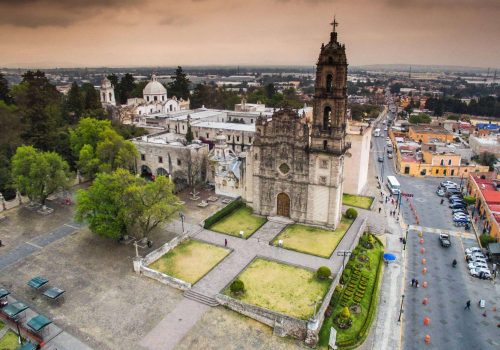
pixel 444 239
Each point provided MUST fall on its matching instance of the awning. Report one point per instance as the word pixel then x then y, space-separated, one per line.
pixel 14 309
pixel 389 257
pixel 37 282
pixel 38 323
pixel 3 293
pixel 53 292
pixel 28 346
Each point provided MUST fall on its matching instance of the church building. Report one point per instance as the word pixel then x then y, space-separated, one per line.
pixel 296 167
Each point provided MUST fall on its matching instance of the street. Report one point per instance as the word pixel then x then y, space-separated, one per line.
pixel 450 326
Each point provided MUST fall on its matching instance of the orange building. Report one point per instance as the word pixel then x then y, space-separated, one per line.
pixel 429 133
pixel 486 188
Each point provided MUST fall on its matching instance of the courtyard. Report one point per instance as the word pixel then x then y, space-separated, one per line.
pixel 280 287
pixel 190 260
pixel 313 240
pixel 362 202
pixel 239 220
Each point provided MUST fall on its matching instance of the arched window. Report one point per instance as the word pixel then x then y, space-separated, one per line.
pixel 103 96
pixel 110 94
pixel 147 98
pixel 442 161
pixel 325 145
pixel 449 161
pixel 329 83
pixel 327 118
pixel 163 98
pixel 155 98
pixel 170 107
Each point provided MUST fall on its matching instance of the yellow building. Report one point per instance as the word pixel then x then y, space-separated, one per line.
pixel 486 215
pixel 429 133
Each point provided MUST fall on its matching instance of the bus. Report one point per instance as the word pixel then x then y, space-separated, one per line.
pixel 393 184
pixel 376 132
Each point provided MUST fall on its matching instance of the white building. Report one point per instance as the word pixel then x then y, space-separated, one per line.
pixel 107 93
pixel 357 160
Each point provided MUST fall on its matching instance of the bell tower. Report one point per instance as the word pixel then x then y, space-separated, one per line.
pixel 330 98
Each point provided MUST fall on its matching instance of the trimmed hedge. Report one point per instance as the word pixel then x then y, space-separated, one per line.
pixel 228 209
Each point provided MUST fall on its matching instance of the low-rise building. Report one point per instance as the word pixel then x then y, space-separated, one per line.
pixel 487 143
pixel 486 214
pixel 429 133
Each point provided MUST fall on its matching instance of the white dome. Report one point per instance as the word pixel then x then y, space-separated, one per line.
pixel 154 87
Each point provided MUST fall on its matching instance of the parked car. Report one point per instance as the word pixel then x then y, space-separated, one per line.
pixel 481 273
pixel 380 159
pixel 445 240
pixel 440 192
pixel 473 250
pixel 448 183
pixel 459 211
pixel 456 196
pixel 458 206
pixel 389 155
pixel 461 220
pixel 388 139
pixel 451 192
pixel 478 264
pixel 477 255
pixel 461 216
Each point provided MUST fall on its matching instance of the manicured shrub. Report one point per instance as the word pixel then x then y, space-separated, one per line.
pixel 228 209
pixel 237 287
pixel 351 213
pixel 323 273
pixel 345 314
pixel 486 240
pixel 470 200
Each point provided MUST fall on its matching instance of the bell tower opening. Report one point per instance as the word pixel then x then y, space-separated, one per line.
pixel 327 118
pixel 329 82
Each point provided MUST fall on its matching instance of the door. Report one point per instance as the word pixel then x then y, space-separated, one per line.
pixel 283 205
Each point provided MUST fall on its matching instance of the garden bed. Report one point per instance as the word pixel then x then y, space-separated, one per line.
pixel 9 341
pixel 313 240
pixel 361 286
pixel 362 202
pixel 240 219
pixel 281 288
pixel 190 260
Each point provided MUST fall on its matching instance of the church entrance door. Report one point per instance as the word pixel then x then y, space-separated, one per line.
pixel 283 204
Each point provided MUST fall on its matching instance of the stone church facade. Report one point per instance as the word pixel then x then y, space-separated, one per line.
pixel 297 167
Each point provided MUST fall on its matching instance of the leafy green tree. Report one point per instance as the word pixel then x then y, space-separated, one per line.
pixel 126 87
pixel 139 87
pixel 87 132
pixel 270 90
pixel 421 118
pixel 189 134
pixel 148 204
pixel 115 152
pixel 102 204
pixel 74 104
pixel 470 200
pixel 39 174
pixel 180 86
pixel 39 105
pixel 453 117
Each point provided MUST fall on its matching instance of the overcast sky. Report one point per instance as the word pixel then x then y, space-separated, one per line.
pixel 91 33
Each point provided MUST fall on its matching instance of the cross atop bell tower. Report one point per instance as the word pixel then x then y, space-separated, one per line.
pixel 333 35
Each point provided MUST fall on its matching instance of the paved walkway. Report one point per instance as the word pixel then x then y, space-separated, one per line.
pixel 37 243
pixel 177 324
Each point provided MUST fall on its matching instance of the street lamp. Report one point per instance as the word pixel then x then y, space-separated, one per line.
pixel 19 337
pixel 401 308
pixel 405 239
pixel 181 215
pixel 344 253
pixel 2 199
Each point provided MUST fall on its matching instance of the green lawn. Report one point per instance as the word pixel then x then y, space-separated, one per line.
pixel 279 287
pixel 357 201
pixel 352 335
pixel 190 260
pixel 313 240
pixel 9 341
pixel 239 220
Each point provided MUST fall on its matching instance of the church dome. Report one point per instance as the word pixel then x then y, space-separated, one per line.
pixel 154 87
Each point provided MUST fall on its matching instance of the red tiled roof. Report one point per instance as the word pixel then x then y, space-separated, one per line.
pixel 495 208
pixel 491 196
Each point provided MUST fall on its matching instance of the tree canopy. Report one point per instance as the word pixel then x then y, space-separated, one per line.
pixel 179 87
pixel 39 174
pixel 421 118
pixel 120 203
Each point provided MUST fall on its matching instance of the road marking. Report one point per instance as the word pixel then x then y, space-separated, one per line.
pixel 76 228
pixel 438 231
pixel 34 245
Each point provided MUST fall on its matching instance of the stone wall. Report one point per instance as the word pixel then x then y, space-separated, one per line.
pixel 313 328
pixel 282 324
pixel 141 265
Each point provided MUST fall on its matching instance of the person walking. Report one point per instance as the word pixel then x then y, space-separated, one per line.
pixel 416 283
pixel 412 282
pixel 379 210
pixel 225 242
pixel 467 305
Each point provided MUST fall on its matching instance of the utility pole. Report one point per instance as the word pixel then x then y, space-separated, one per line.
pixel 401 308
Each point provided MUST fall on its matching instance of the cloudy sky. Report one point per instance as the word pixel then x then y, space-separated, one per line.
pixel 50 33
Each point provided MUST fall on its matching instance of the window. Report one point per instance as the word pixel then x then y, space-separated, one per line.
pixel 251 121
pixel 237 139
pixel 325 145
pixel 322 180
pixel 160 159
pixel 329 83
pixel 171 108
pixel 229 137
pixel 208 135
pixel 143 156
pixel 110 96
pixel 449 162
pixel 323 164
pixel 163 98
pixel 155 98
pixel 179 162
pixel 452 172
pixel 249 139
pixel 327 118
pixel 437 171
pixel 183 127
pixel 444 172
pixel 442 161
pixel 147 98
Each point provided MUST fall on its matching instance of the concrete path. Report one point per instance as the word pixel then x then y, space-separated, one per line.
pixel 37 243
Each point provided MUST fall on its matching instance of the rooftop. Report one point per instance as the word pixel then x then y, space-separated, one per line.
pixel 429 129
pixel 226 126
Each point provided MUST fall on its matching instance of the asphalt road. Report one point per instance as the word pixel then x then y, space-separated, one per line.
pixel 450 327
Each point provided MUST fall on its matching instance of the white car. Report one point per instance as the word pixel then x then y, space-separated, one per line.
pixel 477 264
pixel 478 271
pixel 448 183
pixel 479 260
pixel 473 250
pixel 388 139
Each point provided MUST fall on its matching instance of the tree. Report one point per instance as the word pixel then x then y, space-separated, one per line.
pixel 237 287
pixel 126 87
pixel 4 90
pixel 87 132
pixel 453 117
pixel 323 272
pixel 351 213
pixel 102 204
pixel 421 118
pixel 180 86
pixel 120 203
pixel 487 158
pixel 74 103
pixel 470 200
pixel 270 90
pixel 196 168
pixel 39 174
pixel 115 152
pixel 189 134
pixel 148 204
pixel 138 89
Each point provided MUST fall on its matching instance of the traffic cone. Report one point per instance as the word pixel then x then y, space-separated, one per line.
pixel 421 241
pixel 425 301
pixel 422 250
pixel 424 261
pixel 426 321
pixel 424 284
pixel 427 339
pixel 424 270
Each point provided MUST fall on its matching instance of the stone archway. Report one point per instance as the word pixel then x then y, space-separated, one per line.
pixel 283 205
pixel 161 172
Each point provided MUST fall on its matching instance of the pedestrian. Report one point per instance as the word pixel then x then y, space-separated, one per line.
pixel 467 305
pixel 379 210
pixel 225 242
pixel 382 194
pixel 412 282
pixel 416 283
pixel 392 200
pixel 442 201
pixel 1 244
